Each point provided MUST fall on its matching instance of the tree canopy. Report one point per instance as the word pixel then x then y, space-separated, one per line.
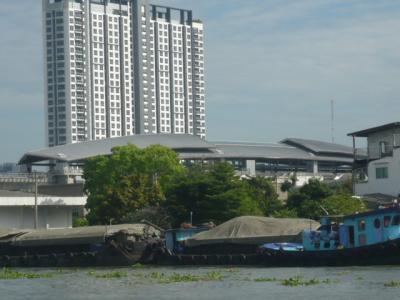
pixel 311 199
pixel 127 180
pixel 132 183
pixel 214 193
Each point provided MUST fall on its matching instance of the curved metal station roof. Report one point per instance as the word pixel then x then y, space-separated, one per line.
pixel 318 147
pixel 192 147
pixel 81 151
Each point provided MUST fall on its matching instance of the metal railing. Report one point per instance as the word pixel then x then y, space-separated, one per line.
pixel 23 177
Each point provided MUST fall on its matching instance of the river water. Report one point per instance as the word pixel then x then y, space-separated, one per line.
pixel 213 283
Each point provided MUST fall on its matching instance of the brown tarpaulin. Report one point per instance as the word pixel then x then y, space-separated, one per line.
pixel 254 231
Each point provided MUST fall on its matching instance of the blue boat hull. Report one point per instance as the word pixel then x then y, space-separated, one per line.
pixel 387 253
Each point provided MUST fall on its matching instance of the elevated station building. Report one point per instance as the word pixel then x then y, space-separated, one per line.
pixel 307 158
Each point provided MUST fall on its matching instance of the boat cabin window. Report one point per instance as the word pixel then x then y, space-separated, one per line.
pixel 386 221
pixel 361 225
pixel 377 223
pixel 327 245
pixel 396 220
pixel 317 245
pixel 351 235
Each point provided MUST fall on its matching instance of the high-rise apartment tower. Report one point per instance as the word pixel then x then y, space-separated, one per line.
pixel 121 67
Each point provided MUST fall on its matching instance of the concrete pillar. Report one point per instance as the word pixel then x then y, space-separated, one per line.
pixel 315 167
pixel 251 167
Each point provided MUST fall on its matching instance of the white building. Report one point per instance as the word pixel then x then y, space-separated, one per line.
pixel 17 210
pixel 121 67
pixel 379 174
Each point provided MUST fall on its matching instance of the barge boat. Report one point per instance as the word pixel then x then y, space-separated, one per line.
pixel 368 238
pixel 114 245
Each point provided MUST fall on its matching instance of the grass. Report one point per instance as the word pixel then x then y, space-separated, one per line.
pixel 9 274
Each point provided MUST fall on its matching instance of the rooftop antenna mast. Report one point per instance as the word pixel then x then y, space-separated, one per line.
pixel 333 121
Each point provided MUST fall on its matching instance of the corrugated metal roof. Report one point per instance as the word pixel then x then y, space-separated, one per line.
pixel 84 150
pixel 192 147
pixel 254 150
pixel 319 147
pixel 366 132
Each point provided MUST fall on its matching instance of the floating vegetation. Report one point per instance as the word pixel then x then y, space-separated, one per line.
pixel 298 281
pixel 266 279
pixel 392 283
pixel 109 275
pixel 176 277
pixel 293 281
pixel 8 274
pixel 232 270
pixel 138 266
pixel 342 273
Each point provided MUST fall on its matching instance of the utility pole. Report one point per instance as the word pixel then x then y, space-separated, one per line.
pixel 36 200
pixel 333 121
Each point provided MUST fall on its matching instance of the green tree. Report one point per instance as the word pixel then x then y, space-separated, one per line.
pixel 342 204
pixel 212 193
pixel 313 198
pixel 262 190
pixel 307 200
pixel 80 222
pixel 156 215
pixel 344 187
pixel 285 213
pixel 286 186
pixel 127 180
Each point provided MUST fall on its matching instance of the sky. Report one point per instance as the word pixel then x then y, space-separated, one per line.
pixel 272 69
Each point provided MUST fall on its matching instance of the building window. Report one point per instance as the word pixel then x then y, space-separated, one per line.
pixel 382 173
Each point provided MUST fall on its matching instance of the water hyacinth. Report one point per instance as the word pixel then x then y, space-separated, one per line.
pixel 8 274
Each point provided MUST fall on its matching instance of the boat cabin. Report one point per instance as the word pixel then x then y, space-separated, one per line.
pixel 175 238
pixel 370 228
pixel 358 230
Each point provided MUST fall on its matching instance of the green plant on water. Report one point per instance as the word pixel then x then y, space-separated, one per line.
pixel 7 274
pixel 328 281
pixel 109 275
pixel 246 278
pixel 266 279
pixel 176 277
pixel 392 283
pixel 342 273
pixel 298 281
pixel 138 266
pixel 232 270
